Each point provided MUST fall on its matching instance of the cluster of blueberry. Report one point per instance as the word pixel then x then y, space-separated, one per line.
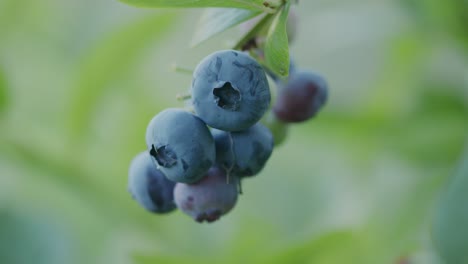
pixel 196 159
pixel 196 168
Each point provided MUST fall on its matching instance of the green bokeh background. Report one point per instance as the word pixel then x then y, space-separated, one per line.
pixel 80 80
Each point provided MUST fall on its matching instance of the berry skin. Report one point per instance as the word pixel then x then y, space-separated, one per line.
pixel 243 153
pixel 181 144
pixel 208 199
pixel 230 90
pixel 301 97
pixel 148 186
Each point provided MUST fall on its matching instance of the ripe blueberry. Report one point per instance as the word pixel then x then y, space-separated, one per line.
pixel 230 90
pixel 301 97
pixel 243 153
pixel 208 199
pixel 148 186
pixel 181 145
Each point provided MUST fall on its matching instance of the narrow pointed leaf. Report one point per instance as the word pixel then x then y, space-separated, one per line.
pixel 217 20
pixel 246 4
pixel 276 46
pixel 264 22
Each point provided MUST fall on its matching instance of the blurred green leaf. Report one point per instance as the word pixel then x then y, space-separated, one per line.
pixel 276 46
pixel 75 180
pixel 444 16
pixel 217 20
pixel 246 4
pixel 31 238
pixel 345 246
pixel 113 57
pixel 138 259
pixel 3 92
pixel 449 231
pixel 158 259
pixel 399 222
pixel 9 14
pixel 60 168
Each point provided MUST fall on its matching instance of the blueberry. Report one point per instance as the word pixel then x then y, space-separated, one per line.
pixel 208 199
pixel 148 186
pixel 230 90
pixel 301 97
pixel 243 153
pixel 181 145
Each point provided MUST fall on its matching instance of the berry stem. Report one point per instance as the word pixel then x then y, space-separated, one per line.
pixel 229 170
pixel 181 69
pixel 184 96
pixel 239 185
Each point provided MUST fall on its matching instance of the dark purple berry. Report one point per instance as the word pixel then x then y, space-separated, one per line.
pixel 301 97
pixel 208 199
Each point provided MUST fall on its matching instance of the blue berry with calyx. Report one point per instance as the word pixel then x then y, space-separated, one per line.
pixel 181 145
pixel 243 153
pixel 301 97
pixel 148 186
pixel 210 198
pixel 230 90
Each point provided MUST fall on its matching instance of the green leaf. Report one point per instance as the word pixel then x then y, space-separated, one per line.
pixel 113 56
pixel 246 4
pixel 217 20
pixel 3 92
pixel 253 32
pixel 449 232
pixel 276 46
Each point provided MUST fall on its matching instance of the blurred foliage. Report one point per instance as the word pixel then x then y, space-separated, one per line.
pixel 448 17
pixel 114 56
pixel 3 92
pixel 449 233
pixel 79 80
